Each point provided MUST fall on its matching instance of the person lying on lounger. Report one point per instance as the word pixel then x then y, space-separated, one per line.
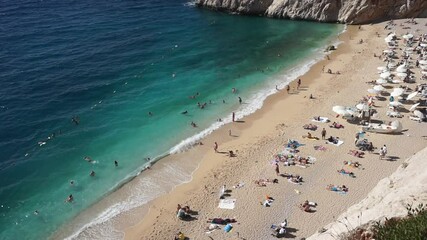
pixel 356 153
pixel 334 188
pixel 343 171
pixel 310 127
pixel 308 206
pixel 222 221
pixel 336 125
pixel 333 140
pixel 352 164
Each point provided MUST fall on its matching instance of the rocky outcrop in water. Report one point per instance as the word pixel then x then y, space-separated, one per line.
pixel 344 11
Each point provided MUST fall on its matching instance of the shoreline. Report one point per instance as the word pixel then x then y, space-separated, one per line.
pixel 173 156
pixel 215 170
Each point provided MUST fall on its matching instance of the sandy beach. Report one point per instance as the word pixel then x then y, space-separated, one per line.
pixel 257 138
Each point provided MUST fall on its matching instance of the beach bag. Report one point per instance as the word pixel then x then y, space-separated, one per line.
pixel 228 227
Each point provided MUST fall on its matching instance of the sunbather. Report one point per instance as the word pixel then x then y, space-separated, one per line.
pixel 333 140
pixel 334 188
pixel 222 221
pixel 356 153
pixel 310 127
pixel 352 164
pixel 308 206
pixel 336 125
pixel 343 171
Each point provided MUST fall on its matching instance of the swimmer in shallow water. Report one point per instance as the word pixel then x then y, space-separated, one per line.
pixel 185 112
pixel 88 159
pixel 70 198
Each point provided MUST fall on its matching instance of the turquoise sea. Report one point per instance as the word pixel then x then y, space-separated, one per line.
pixel 107 65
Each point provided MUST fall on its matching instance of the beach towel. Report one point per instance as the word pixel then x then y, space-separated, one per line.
pixel 227 203
pixel 322 120
pixel 336 144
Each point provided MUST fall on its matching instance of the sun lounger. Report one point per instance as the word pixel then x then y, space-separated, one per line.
pixel 336 144
pixel 321 120
pixel 227 203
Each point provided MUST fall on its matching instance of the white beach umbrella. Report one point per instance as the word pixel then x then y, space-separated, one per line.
pixel 400 91
pixel 424 72
pixel 395 94
pixel 412 95
pixel 419 114
pixel 401 74
pixel 388 51
pixel 379 88
pixel 385 75
pixel 391 65
pixel 381 81
pixel 395 104
pixel 413 107
pixel 408 36
pixel 397 81
pixel 341 110
pixel 396 124
pixel 362 106
pixel 423 62
pixel 388 39
pixel 423 45
pixel 373 91
pixel 401 69
pixel 383 68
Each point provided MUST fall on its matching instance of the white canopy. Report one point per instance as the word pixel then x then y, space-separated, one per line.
pixel 373 91
pixel 381 81
pixel 408 36
pixel 379 88
pixel 400 91
pixel 401 74
pixel 412 95
pixel 395 104
pixel 385 75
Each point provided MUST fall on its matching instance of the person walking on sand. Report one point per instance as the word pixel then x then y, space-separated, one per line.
pixel 299 83
pixel 277 169
pixel 288 88
pixel 323 134
pixel 356 138
pixel 216 147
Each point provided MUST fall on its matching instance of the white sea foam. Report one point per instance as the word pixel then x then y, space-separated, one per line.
pixel 101 226
pixel 145 190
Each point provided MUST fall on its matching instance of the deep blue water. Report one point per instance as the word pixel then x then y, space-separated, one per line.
pixel 110 63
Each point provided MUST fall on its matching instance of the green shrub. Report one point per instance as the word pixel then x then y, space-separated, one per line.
pixel 412 227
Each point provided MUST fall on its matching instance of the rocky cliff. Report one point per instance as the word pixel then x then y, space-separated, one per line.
pixel 344 11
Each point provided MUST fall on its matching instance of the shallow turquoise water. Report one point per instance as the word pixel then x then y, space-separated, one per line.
pixel 110 64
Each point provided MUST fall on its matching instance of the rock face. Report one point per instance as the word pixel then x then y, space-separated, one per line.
pixel 344 11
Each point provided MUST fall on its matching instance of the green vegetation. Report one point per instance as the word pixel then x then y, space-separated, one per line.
pixel 412 227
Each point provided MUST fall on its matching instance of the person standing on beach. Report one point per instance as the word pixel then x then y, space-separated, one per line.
pixel 299 83
pixel 277 169
pixel 216 147
pixel 240 100
pixel 233 116
pixel 356 138
pixel 323 133
pixel 288 88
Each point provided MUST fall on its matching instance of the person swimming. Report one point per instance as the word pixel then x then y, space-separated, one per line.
pixel 92 173
pixel 185 112
pixel 88 159
pixel 116 163
pixel 70 198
